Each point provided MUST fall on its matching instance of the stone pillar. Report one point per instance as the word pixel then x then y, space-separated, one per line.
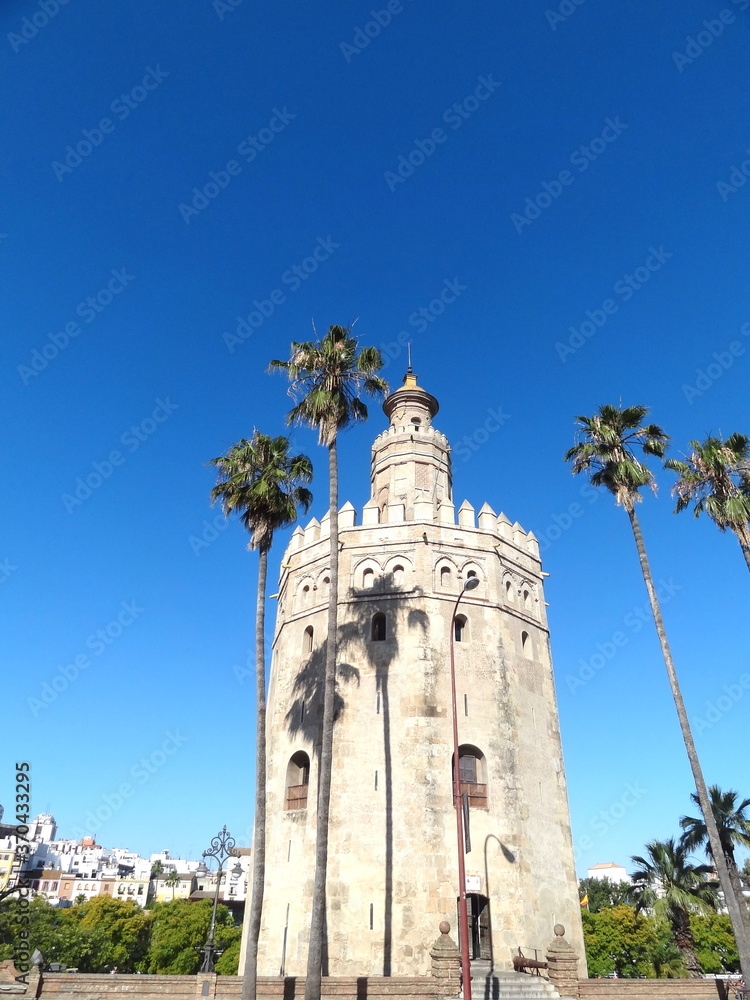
pixel 562 963
pixel 446 963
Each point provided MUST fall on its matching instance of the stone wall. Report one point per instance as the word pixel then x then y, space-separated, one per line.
pixel 645 989
pixel 72 986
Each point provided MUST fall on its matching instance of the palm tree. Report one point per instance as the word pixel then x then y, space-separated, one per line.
pixel 733 822
pixel 172 881
pixel 605 449
pixel 327 378
pixel 670 885
pixel 716 477
pixel 262 482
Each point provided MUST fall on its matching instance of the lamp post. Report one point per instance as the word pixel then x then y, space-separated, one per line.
pixel 463 917
pixel 222 847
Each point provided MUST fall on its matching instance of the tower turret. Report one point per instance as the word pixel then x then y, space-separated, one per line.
pixel 411 459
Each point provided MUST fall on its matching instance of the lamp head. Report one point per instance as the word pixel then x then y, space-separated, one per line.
pixel 471 583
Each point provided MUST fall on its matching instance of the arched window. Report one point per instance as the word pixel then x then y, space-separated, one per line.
pixel 416 423
pixel 525 644
pixel 368 579
pixel 526 597
pixel 460 628
pixel 472 573
pixel 297 780
pixel 472 768
pixel 398 576
pixel 378 627
pixel 508 591
pixel 307 641
pixel 445 576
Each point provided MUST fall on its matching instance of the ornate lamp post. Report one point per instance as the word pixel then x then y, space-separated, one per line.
pixel 463 917
pixel 222 847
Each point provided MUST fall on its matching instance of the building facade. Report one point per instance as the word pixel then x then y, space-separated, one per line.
pixel 392 870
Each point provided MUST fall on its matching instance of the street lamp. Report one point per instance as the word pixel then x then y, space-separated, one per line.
pixel 222 847
pixel 463 919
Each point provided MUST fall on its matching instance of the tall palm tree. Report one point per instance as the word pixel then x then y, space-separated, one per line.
pixel 670 885
pixel 172 881
pixel 605 449
pixel 716 478
pixel 264 483
pixel 733 822
pixel 328 376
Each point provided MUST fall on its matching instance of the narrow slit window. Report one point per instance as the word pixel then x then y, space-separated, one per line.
pixel 308 639
pixel 460 631
pixel 445 576
pixel 466 704
pixel 378 627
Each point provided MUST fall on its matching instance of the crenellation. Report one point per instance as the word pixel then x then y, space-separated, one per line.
pixel 312 531
pixel 487 518
pixel 466 515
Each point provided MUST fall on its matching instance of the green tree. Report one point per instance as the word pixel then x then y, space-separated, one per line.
pixel 328 377
pixel 157 870
pixel 264 484
pixel 714 943
pixel 715 478
pixel 605 450
pixel 666 957
pixel 107 933
pixel 172 881
pixel 733 823
pixel 618 940
pixel 179 930
pixel 667 883
pixel 602 893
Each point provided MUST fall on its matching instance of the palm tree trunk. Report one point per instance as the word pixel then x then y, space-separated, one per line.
pixel 734 878
pixel 683 936
pixel 730 901
pixel 317 923
pixel 743 536
pixel 250 976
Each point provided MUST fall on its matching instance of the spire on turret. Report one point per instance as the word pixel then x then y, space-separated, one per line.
pixel 411 460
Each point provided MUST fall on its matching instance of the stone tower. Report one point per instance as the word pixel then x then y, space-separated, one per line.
pixel 392 869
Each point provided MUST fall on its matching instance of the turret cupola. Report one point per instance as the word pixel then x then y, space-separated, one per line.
pixel 410 460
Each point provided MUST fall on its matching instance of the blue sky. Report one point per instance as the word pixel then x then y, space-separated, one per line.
pixel 187 188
